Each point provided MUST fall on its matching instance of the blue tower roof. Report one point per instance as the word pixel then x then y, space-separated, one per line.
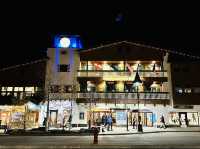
pixel 74 41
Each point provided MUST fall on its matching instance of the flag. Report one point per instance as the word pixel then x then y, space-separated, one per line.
pixel 129 68
pixel 154 67
pixel 138 67
pixel 114 67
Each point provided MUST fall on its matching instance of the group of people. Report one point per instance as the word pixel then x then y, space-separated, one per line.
pixel 105 121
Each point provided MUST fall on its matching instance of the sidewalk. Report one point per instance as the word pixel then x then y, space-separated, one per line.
pixel 123 130
pixel 115 131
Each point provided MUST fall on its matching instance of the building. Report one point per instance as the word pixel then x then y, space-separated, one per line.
pixel 125 80
pixel 21 91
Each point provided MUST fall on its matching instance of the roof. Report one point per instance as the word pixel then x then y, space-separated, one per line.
pixel 137 45
pixel 24 64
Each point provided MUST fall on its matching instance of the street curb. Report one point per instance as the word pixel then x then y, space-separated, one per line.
pixel 145 132
pixel 96 146
pixel 90 134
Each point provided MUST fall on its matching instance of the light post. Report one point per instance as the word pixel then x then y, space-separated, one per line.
pixel 72 97
pixel 137 81
pixel 47 117
pixel 90 112
pixel 127 119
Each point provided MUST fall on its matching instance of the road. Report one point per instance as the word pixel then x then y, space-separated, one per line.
pixel 164 139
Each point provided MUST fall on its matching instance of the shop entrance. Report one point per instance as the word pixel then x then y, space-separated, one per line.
pixel 183 119
pixel 97 114
pixel 146 118
pixel 53 118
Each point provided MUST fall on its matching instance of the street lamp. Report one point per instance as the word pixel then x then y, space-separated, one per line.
pixel 127 119
pixel 137 81
pixel 90 107
pixel 47 115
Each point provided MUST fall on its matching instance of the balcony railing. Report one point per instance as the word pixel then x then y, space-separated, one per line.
pixel 133 95
pixel 142 73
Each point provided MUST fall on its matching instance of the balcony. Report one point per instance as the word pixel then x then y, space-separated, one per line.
pixel 120 74
pixel 119 95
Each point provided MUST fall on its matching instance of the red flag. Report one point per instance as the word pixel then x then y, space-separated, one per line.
pixel 129 68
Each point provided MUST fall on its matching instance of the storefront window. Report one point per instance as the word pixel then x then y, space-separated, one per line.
pixel 192 118
pixel 174 118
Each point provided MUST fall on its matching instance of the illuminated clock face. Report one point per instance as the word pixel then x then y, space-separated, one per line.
pixel 64 42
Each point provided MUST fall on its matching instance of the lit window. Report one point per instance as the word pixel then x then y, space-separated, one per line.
pixel 4 89
pixel 9 88
pixel 29 89
pixel 179 90
pixel 188 90
pixel 18 89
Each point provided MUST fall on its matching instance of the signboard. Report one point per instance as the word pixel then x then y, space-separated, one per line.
pixel 121 118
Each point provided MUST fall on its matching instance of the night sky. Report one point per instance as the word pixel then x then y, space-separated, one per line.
pixel 27 31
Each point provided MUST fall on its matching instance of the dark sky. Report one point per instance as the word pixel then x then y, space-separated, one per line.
pixel 27 30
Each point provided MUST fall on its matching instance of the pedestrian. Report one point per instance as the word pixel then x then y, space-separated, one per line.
pixel 134 122
pixel 44 121
pixel 98 121
pixel 109 121
pixel 162 120
pixel 103 121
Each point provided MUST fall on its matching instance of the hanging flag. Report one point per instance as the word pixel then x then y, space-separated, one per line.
pixel 154 67
pixel 138 67
pixel 129 68
pixel 114 67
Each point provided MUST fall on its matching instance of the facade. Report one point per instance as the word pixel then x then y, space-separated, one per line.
pixel 100 81
pixel 124 79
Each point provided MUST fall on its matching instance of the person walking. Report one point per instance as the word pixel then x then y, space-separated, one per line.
pixel 162 120
pixel 98 122
pixel 109 120
pixel 103 121
pixel 134 122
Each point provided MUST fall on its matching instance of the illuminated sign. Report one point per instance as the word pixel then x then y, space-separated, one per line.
pixel 63 41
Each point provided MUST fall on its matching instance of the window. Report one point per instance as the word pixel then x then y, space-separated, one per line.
pixel 29 89
pixel 179 90
pixel 63 52
pixel 55 89
pixel 188 90
pixel 18 89
pixel 4 89
pixel 9 88
pixel 183 90
pixel 67 89
pixel 64 68
pixel 110 86
pixel 81 115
